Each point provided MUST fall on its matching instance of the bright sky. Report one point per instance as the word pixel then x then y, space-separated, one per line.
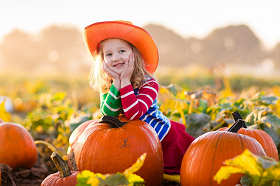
pixel 186 17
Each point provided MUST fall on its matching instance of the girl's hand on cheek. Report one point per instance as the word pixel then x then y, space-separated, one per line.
pixel 110 73
pixel 128 69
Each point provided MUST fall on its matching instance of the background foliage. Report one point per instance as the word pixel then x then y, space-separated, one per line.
pixel 51 107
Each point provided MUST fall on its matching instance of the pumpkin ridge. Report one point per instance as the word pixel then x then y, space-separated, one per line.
pixel 105 137
pixel 211 177
pixel 241 142
pixel 23 146
pixel 82 150
pixel 9 140
pixel 197 148
pixel 256 146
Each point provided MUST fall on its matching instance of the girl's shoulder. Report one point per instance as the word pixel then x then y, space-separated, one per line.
pixel 148 81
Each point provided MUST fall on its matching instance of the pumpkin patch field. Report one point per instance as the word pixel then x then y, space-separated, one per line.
pixel 52 133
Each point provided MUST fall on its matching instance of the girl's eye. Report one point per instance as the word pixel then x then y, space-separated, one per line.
pixel 109 54
pixel 121 51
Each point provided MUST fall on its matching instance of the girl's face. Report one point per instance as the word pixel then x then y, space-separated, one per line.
pixel 116 53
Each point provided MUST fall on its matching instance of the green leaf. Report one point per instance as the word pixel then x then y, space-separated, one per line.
pixel 202 107
pixel 173 89
pixel 127 178
pixel 272 121
pixel 134 179
pixel 272 171
pixel 59 96
pixel 272 133
pixel 245 181
pixel 196 123
pixel 114 180
pixel 249 164
pixel 83 177
pixel 261 170
pixel 257 114
pixel 262 99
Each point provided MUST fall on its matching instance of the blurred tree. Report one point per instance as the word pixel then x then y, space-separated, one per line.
pixel 60 49
pixel 56 49
pixel 18 51
pixel 232 44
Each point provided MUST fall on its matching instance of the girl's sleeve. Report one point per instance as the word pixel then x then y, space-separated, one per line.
pixel 111 102
pixel 134 107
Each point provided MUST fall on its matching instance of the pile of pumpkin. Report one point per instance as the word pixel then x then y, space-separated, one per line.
pixel 113 144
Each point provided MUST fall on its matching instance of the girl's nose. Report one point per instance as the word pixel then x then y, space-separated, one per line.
pixel 116 57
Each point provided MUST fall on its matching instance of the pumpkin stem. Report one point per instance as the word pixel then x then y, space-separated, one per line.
pixel 61 165
pixel 237 116
pixel 114 122
pixel 236 126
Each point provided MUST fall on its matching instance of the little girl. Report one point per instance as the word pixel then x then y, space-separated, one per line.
pixel 126 57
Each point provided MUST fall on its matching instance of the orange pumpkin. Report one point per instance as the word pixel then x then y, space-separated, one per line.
pixel 110 146
pixel 261 136
pixel 207 153
pixel 17 147
pixel 77 132
pixel 64 177
pixel 72 140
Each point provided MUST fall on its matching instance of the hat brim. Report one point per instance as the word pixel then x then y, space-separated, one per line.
pixel 140 38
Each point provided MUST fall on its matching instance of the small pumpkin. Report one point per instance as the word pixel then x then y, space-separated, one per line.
pixel 261 136
pixel 206 155
pixel 17 147
pixel 64 177
pixel 112 145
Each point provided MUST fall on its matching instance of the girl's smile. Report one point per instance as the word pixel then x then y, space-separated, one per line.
pixel 116 54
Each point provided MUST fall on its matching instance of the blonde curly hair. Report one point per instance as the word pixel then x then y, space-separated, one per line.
pixel 100 81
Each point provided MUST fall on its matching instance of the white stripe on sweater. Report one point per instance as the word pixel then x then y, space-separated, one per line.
pixel 110 108
pixel 149 114
pixel 147 83
pixel 127 94
pixel 143 103
pixel 150 123
pixel 151 89
pixel 147 96
pixel 128 108
pixel 134 115
pixel 113 95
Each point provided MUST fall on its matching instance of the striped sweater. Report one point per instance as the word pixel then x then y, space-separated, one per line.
pixel 140 103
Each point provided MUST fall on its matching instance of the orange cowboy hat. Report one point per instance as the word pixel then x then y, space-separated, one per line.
pixel 140 38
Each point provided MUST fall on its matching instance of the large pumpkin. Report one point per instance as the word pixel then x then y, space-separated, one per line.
pixel 76 134
pixel 72 140
pixel 17 147
pixel 110 146
pixel 64 177
pixel 261 136
pixel 206 155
